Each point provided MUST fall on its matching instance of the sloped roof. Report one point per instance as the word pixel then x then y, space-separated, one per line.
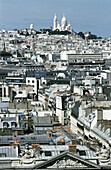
pixel 4 105
pixel 42 121
pixel 9 151
pixel 5 54
pixel 42 139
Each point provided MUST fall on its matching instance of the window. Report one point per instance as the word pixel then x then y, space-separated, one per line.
pixel 16 80
pixel 28 81
pixel 62 151
pixel 80 126
pixel 33 137
pixel 82 153
pixel 5 125
pixel 2 154
pixel 46 114
pixel 32 81
pixel 48 153
pixel 90 137
pixel 65 114
pixel 13 124
pixel 41 152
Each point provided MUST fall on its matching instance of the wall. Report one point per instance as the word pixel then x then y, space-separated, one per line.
pixel 107 114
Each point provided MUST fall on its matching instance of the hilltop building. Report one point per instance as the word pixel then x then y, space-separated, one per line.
pixel 63 27
pixel 31 26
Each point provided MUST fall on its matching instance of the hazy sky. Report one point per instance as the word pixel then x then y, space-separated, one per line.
pixel 83 15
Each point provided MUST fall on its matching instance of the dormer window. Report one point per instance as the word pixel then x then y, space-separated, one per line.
pixel 13 124
pixel 5 125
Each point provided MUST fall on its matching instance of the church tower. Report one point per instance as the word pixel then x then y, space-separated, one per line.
pixel 63 23
pixel 55 23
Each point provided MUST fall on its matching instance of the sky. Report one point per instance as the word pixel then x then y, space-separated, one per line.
pixel 83 15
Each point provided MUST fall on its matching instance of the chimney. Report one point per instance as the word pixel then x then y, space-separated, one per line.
pixel 17 119
pixel 61 141
pixel 74 140
pixel 62 134
pixel 58 131
pixel 13 134
pixel 48 131
pixel 88 144
pixel 36 146
pixel 72 147
pixel 16 133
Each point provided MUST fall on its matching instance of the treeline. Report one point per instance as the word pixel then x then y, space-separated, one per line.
pixel 90 36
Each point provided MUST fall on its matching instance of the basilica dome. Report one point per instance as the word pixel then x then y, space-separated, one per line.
pixel 64 19
pixel 63 22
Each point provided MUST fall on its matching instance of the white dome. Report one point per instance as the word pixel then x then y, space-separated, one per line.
pixel 63 23
pixel 69 28
pixel 31 26
pixel 61 75
pixel 34 57
pixel 58 27
pixel 64 19
pixel 55 22
pixel 55 17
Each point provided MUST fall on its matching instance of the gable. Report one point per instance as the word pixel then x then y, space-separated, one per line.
pixel 67 160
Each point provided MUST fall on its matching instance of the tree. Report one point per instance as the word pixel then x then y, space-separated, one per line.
pixel 81 35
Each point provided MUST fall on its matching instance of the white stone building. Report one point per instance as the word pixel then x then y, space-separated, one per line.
pixel 64 26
